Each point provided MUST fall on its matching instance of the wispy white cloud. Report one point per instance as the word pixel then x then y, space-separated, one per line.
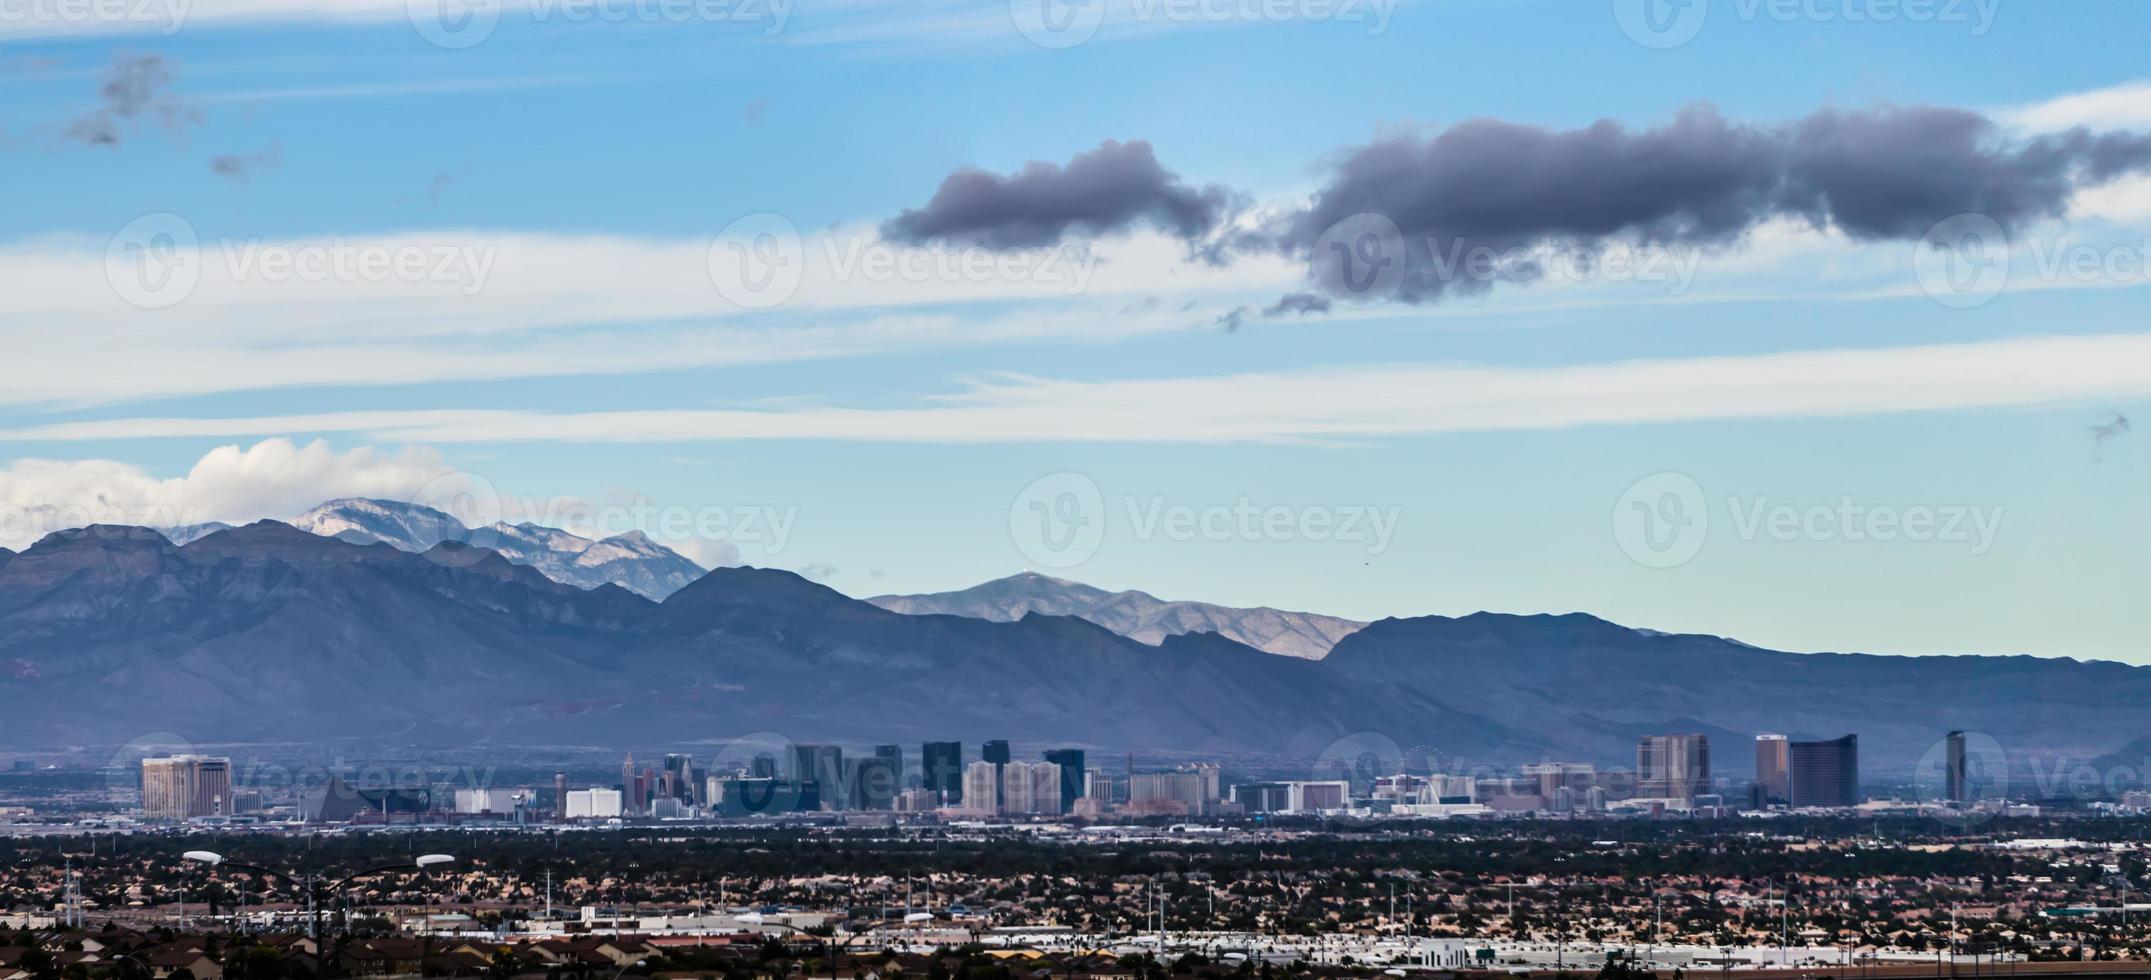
pixel 488 305
pixel 2124 106
pixel 1332 405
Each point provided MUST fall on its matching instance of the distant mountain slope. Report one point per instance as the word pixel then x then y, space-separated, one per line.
pixel 1592 687
pixel 267 632
pixel 1137 615
pixel 631 561
pixel 270 632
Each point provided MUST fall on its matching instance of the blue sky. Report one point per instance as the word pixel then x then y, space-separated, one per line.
pixel 904 429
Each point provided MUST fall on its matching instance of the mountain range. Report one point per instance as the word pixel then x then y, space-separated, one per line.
pixel 267 632
pixel 1137 615
pixel 631 560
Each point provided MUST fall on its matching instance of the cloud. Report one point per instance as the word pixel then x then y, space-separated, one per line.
pixel 2126 106
pixel 1107 190
pixel 548 305
pixel 1339 404
pixel 240 166
pixel 2115 426
pixel 1471 203
pixel 274 478
pixel 1296 304
pixel 1291 304
pixel 708 552
pixel 818 572
pixel 137 87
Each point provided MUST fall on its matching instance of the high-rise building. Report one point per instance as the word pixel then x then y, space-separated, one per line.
pixel 1191 791
pixel 679 777
pixel 1825 773
pixel 818 770
pixel 1953 776
pixel 1673 767
pixel 593 804
pixel 1770 770
pixel 941 770
pixel 560 795
pixel 1071 763
pixel 1098 786
pixel 982 786
pixel 1030 788
pixel 872 782
pixel 630 783
pixel 179 787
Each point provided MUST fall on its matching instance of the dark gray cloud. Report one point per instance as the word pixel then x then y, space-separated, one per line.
pixel 1488 187
pixel 1109 189
pixel 1292 304
pixel 240 166
pixel 1296 304
pixel 1893 173
pixel 136 88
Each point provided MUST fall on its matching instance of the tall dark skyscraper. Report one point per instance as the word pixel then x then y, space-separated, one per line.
pixel 876 779
pixel 941 769
pixel 1825 773
pixel 1071 763
pixel 1953 774
pixel 818 771
pixel 995 752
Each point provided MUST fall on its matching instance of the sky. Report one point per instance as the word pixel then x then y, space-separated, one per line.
pixel 1817 324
